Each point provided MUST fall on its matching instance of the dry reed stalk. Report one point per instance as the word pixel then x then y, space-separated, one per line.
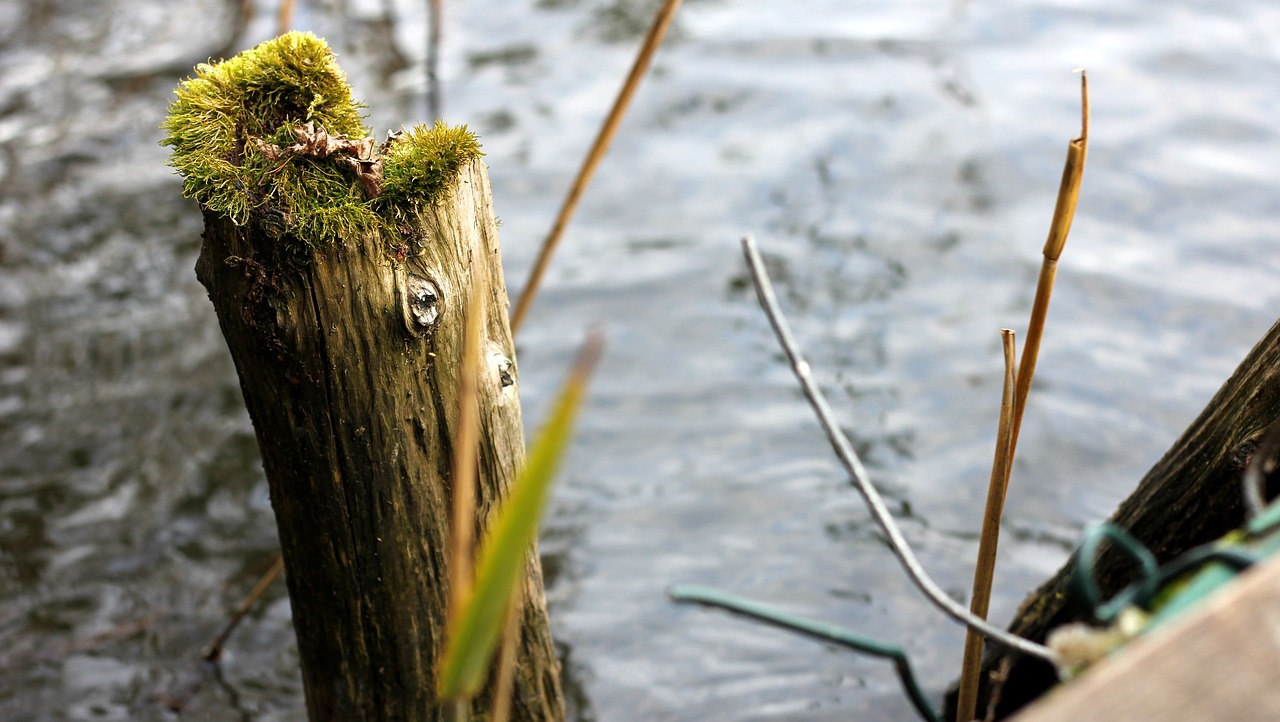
pixel 1063 213
pixel 1011 417
pixel 610 127
pixel 213 651
pixel 507 659
pixel 435 12
pixel 284 20
pixel 984 571
pixel 462 538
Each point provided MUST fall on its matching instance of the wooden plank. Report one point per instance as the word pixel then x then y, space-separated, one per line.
pixel 1220 662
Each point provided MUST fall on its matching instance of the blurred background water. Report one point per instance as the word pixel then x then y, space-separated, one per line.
pixel 898 163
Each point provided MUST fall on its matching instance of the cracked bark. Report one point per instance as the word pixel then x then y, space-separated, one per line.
pixel 349 367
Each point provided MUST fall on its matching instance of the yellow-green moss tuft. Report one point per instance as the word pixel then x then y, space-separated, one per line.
pixel 261 95
pixel 267 137
pixel 422 162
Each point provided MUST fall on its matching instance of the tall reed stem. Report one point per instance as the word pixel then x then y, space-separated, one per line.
pixel 507 658
pixel 463 522
pixel 651 42
pixel 1014 404
pixel 435 22
pixel 984 572
pixel 284 19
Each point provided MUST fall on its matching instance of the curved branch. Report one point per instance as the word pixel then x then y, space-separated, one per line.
pixel 848 458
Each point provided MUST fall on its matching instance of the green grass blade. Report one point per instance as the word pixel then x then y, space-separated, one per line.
pixel 501 565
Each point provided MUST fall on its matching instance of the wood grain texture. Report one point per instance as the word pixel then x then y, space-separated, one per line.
pixel 1218 662
pixel 350 373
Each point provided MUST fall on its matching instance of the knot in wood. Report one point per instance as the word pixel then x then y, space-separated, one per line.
pixel 506 371
pixel 424 302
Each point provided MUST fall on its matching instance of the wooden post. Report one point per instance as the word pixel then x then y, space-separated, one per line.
pixel 348 350
pixel 1192 496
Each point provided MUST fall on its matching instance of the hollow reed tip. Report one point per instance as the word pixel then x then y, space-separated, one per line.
pixel 1084 105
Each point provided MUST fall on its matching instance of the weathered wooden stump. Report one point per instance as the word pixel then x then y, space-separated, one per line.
pixel 340 274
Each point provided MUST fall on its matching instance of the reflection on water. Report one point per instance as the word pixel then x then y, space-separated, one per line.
pixel 898 163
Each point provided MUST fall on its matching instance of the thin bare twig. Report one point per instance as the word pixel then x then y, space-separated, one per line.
pixel 213 651
pixel 598 149
pixel 984 570
pixel 844 451
pixel 999 678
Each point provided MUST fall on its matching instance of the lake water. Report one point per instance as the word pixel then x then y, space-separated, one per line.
pixel 898 163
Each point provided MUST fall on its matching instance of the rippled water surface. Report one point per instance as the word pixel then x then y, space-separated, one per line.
pixel 897 161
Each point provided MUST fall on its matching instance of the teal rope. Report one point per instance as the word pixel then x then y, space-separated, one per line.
pixel 1144 592
pixel 1087 585
pixel 696 594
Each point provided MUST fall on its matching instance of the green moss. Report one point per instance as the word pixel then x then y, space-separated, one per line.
pixel 261 95
pixel 234 130
pixel 422 162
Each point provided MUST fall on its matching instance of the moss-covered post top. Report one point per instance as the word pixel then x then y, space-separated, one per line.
pixel 273 135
